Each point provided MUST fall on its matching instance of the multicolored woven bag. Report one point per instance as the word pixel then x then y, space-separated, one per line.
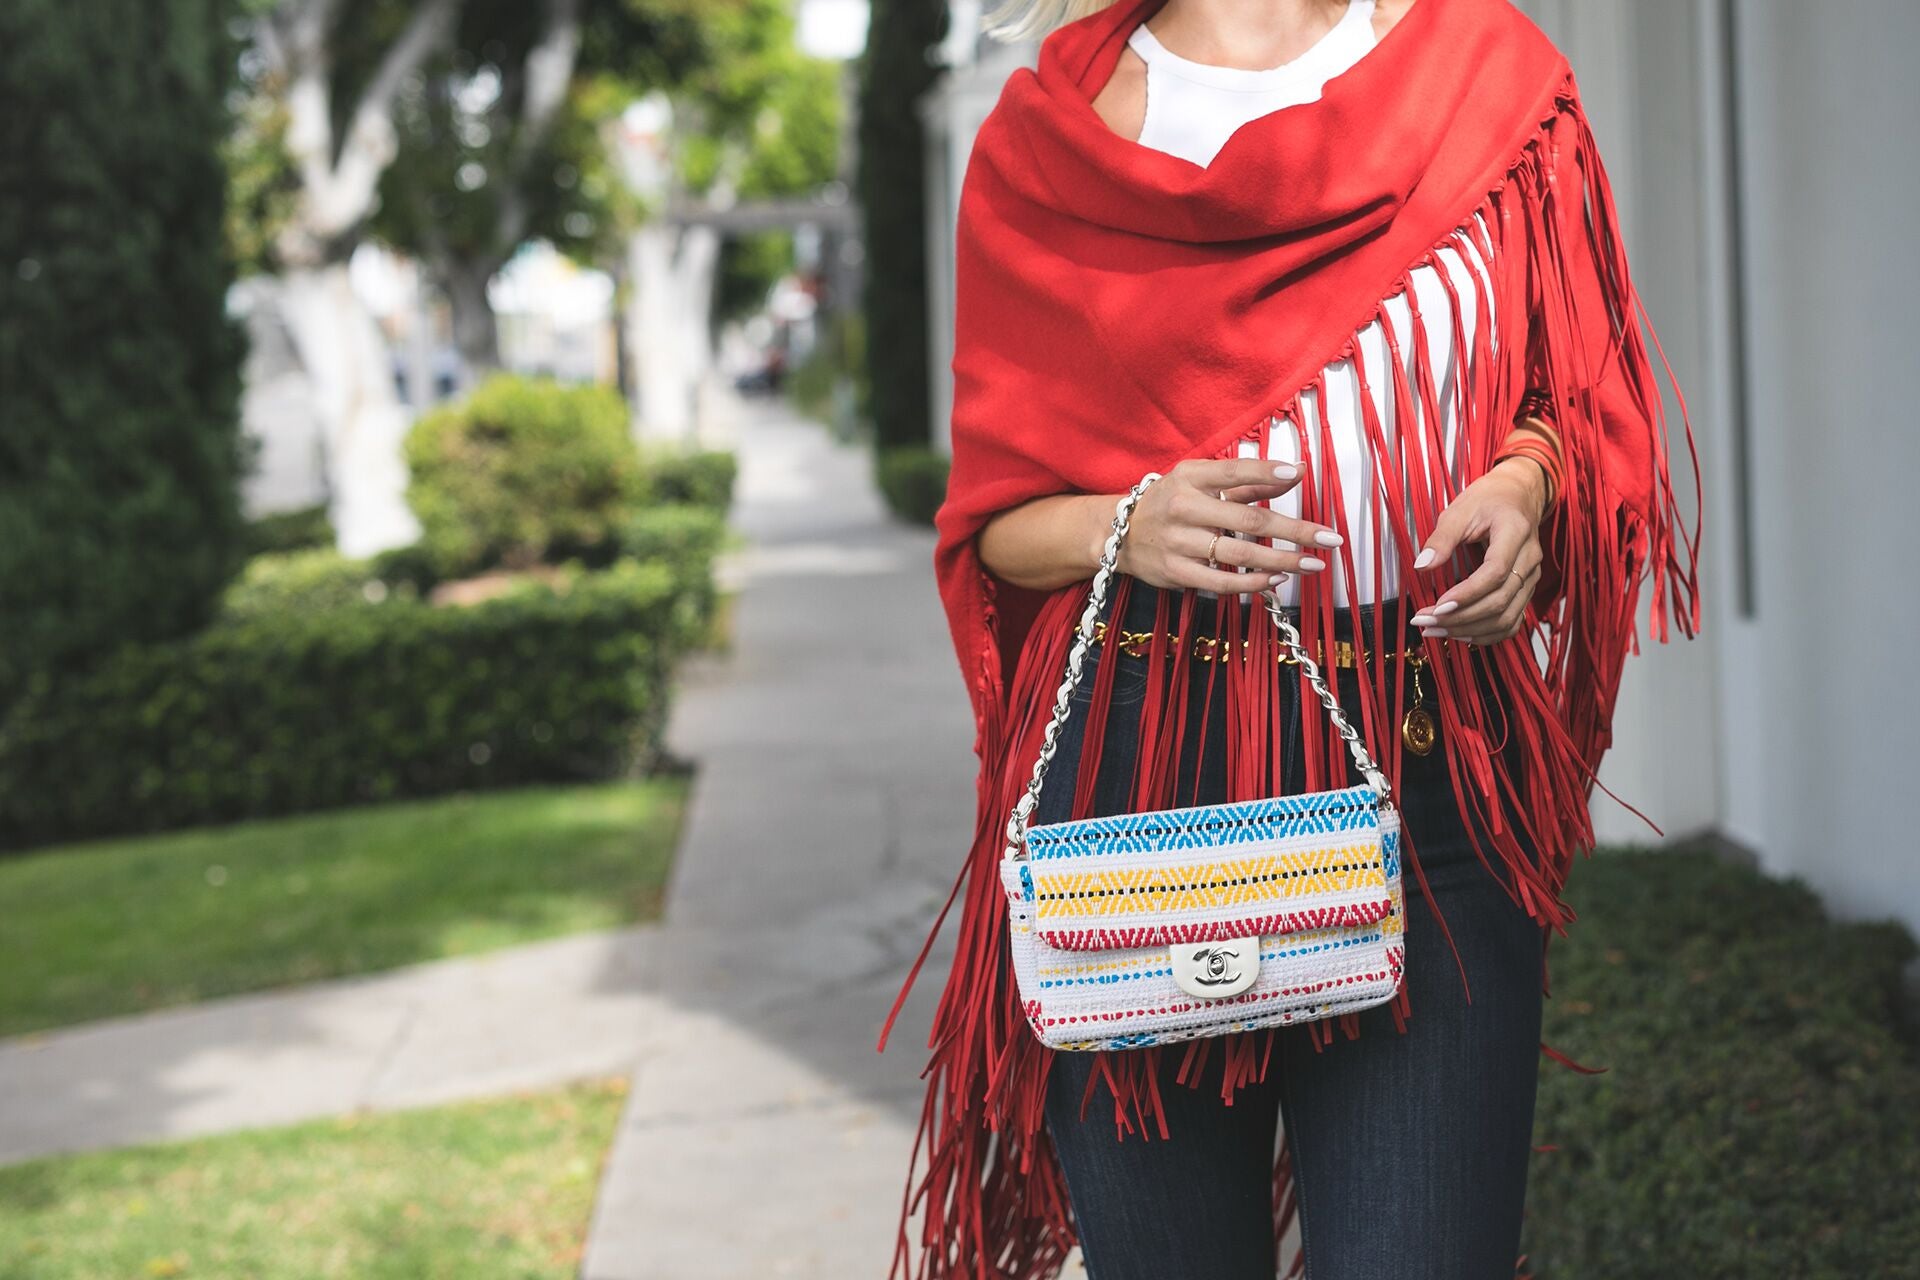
pixel 1146 928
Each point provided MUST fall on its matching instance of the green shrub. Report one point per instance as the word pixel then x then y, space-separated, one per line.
pixel 701 477
pixel 411 567
pixel 524 471
pixel 1760 1115
pixel 810 387
pixel 305 529
pixel 913 480
pixel 120 449
pixel 306 581
pixel 288 710
pixel 839 356
pixel 686 537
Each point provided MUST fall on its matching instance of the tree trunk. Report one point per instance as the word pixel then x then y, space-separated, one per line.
pixel 359 407
pixel 476 330
pixel 661 408
pixel 669 324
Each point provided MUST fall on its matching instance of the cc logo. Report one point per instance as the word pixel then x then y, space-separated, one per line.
pixel 1215 970
pixel 1217 966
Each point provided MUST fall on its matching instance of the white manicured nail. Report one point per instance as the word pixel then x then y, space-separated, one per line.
pixel 1312 562
pixel 1423 620
pixel 1286 471
pixel 1435 632
pixel 1327 538
pixel 1446 606
pixel 1424 559
pixel 1276 578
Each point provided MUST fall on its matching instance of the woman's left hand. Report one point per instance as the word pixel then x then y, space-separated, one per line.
pixel 1503 509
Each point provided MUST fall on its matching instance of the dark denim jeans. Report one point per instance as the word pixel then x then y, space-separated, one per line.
pixel 1410 1151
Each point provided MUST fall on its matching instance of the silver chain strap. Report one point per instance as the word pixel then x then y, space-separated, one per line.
pixel 1076 660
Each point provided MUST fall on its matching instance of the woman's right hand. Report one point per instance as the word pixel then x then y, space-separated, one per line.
pixel 1176 518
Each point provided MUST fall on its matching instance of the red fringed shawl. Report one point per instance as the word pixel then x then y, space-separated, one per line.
pixel 1118 310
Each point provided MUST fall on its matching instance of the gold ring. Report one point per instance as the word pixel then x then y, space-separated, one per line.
pixel 1211 544
pixel 1516 573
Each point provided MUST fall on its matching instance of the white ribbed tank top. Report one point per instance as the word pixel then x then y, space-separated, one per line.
pixel 1192 109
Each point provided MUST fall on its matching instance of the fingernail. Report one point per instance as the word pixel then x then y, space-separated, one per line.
pixel 1286 471
pixel 1422 620
pixel 1312 562
pixel 1327 538
pixel 1424 559
pixel 1276 578
pixel 1435 632
pixel 1446 606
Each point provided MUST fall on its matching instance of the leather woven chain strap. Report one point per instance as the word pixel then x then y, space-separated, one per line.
pixel 1076 660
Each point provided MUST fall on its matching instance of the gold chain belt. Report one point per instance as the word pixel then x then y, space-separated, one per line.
pixel 1210 648
pixel 1418 729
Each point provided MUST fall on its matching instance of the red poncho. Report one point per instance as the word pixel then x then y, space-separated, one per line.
pixel 1118 310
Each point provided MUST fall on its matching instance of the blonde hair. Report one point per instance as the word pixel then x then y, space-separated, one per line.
pixel 1012 20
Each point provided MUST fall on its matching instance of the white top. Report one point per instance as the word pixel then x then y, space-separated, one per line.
pixel 1192 109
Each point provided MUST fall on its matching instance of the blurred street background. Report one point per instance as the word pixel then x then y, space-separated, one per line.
pixel 479 743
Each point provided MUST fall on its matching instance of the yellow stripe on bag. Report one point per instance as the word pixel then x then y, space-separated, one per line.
pixel 1226 883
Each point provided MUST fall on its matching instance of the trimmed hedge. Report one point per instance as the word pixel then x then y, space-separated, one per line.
pixel 524 471
pixel 1760 1115
pixel 913 480
pixel 696 477
pixel 684 536
pixel 306 581
pixel 302 529
pixel 284 710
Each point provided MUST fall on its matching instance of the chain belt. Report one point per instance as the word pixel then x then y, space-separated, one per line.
pixel 1136 644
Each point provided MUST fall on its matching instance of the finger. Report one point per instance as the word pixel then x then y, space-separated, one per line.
pixel 1215 474
pixel 1480 595
pixel 1194 573
pixel 1208 512
pixel 1488 609
pixel 1448 533
pixel 1249 552
pixel 1256 492
pixel 1508 621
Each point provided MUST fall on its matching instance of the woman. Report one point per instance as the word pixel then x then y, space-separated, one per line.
pixel 1347 272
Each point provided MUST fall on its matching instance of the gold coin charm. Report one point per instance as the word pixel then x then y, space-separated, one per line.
pixel 1417 731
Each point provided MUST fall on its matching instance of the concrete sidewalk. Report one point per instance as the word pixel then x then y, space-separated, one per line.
pixel 763 1135
pixel 523 1018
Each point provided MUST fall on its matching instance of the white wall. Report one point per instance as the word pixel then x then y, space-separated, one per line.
pixel 1811 710
pixel 1822 701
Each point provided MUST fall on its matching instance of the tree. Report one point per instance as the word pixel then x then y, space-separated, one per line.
pixel 507 136
pixel 119 371
pixel 491 153
pixel 330 71
pixel 897 69
pixel 753 119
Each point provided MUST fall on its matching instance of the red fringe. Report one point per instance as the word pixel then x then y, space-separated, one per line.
pixel 1563 323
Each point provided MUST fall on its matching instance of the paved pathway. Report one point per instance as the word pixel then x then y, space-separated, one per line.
pixel 523 1018
pixel 764 1136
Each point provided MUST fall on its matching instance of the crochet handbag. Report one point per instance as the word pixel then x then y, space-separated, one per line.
pixel 1167 925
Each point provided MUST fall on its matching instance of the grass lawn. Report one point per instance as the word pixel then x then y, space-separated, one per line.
pixel 118 926
pixel 480 1191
